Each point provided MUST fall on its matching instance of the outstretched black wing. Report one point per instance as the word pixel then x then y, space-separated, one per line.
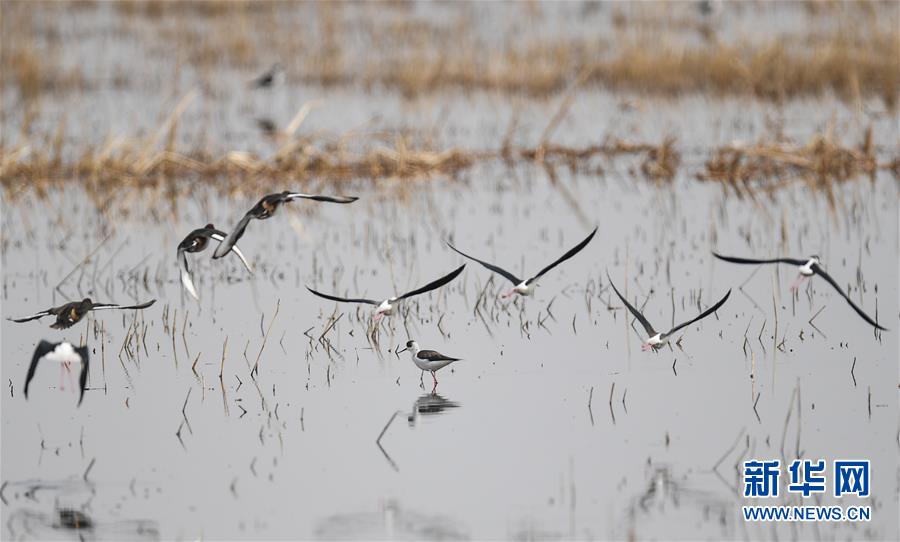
pixel 82 381
pixel 101 306
pixel 43 348
pixel 637 314
pixel 732 259
pixel 343 299
pixel 436 284
pixel 329 199
pixel 236 233
pixel 575 250
pixel 703 314
pixel 30 318
pixel 821 272
pixel 496 269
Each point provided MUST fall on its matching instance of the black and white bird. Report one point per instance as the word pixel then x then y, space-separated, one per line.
pixel 264 209
pixel 386 307
pixel 805 269
pixel 65 354
pixel 269 78
pixel 428 360
pixel 655 338
pixel 526 287
pixel 197 241
pixel 71 313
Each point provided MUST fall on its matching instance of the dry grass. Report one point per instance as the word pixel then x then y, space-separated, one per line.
pixel 35 74
pixel 856 56
pixel 820 164
pixel 392 48
pixel 128 163
pixel 154 161
pixel 850 68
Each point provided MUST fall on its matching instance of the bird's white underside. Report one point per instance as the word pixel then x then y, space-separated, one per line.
pixel 63 353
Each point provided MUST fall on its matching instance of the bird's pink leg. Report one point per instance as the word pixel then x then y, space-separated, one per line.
pixel 378 317
pixel 68 367
pixel 508 294
pixel 645 347
pixel 796 284
pixel 62 386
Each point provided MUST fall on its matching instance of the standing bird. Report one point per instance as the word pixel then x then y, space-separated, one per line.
pixel 267 127
pixel 428 360
pixel 65 354
pixel 71 313
pixel 269 78
pixel 526 287
pixel 806 269
pixel 657 339
pixel 386 307
pixel 197 241
pixel 264 209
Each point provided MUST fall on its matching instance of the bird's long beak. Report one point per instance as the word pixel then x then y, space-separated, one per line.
pixel 401 351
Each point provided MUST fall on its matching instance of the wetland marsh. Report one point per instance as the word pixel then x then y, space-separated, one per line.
pixel 263 412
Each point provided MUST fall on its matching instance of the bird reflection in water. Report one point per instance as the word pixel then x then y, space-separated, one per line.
pixel 430 404
pixel 51 510
pixel 666 496
pixel 390 520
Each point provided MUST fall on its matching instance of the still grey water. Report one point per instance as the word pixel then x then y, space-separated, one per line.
pixel 554 426
pixel 519 453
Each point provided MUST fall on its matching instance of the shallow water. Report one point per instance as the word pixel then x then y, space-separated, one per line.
pixel 519 454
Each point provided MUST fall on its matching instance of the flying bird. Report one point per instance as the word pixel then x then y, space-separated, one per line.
pixel 526 287
pixel 197 241
pixel 428 360
pixel 386 307
pixel 71 313
pixel 264 209
pixel 65 354
pixel 806 269
pixel 657 339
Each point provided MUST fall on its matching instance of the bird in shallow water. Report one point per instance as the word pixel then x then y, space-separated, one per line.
pixel 197 241
pixel 386 307
pixel 805 270
pixel 526 287
pixel 65 354
pixel 428 360
pixel 71 313
pixel 267 127
pixel 656 339
pixel 264 209
pixel 269 78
